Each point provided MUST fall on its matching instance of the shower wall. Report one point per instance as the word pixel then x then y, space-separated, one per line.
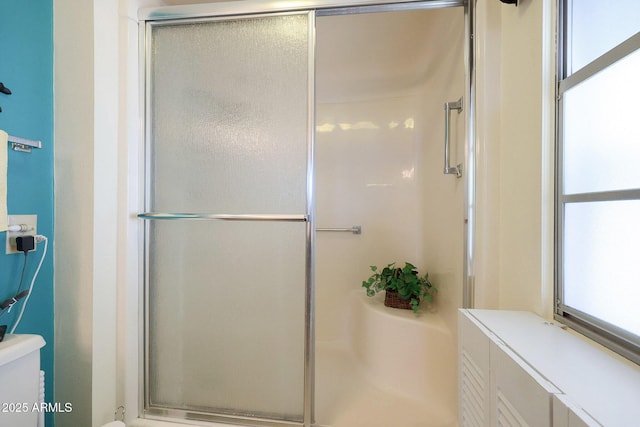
pixel 382 80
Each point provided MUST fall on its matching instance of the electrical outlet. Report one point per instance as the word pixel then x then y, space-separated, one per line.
pixel 31 229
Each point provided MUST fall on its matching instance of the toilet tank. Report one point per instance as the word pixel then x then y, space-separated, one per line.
pixel 20 380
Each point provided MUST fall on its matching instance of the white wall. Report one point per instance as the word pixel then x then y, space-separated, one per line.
pixel 515 156
pixel 88 92
pixel 488 109
pixel 74 169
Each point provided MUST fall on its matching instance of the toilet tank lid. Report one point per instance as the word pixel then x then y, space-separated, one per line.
pixel 16 346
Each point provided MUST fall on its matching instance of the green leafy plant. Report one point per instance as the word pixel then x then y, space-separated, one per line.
pixel 406 281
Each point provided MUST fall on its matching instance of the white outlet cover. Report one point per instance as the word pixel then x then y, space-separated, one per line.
pixel 31 221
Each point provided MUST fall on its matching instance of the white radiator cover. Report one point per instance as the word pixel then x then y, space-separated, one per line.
pixel 516 369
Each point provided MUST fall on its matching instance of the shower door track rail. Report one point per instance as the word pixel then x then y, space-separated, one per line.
pixel 171 415
pixel 322 7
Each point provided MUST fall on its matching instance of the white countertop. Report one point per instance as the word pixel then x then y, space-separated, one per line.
pixel 15 346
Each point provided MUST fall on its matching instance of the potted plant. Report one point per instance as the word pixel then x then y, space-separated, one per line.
pixel 404 287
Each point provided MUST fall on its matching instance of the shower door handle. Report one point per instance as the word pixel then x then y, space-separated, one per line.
pixel 448 106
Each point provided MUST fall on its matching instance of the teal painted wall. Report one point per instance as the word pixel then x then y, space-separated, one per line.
pixel 26 67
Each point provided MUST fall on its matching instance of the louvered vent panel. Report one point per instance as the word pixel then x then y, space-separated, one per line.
pixel 473 392
pixel 508 416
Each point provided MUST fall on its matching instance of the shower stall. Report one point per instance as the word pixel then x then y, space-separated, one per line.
pixel 288 147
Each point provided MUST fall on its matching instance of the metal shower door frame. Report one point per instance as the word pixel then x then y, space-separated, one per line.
pixel 257 8
pixel 307 217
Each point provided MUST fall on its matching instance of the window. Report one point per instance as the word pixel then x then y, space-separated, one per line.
pixel 598 172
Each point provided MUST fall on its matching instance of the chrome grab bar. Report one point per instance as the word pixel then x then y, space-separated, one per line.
pixel 448 106
pixel 356 229
pixel 222 217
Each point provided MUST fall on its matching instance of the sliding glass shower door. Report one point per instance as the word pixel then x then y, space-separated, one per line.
pixel 228 224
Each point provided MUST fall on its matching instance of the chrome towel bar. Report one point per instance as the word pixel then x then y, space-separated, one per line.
pixel 356 229
pixel 23 144
pixel 222 217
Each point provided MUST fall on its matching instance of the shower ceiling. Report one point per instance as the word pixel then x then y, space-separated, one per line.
pixel 394 65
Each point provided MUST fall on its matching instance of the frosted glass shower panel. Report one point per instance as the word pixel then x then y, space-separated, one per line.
pixel 228 121
pixel 229 110
pixel 227 317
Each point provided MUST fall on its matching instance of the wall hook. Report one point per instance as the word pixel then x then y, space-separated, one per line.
pixel 4 89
